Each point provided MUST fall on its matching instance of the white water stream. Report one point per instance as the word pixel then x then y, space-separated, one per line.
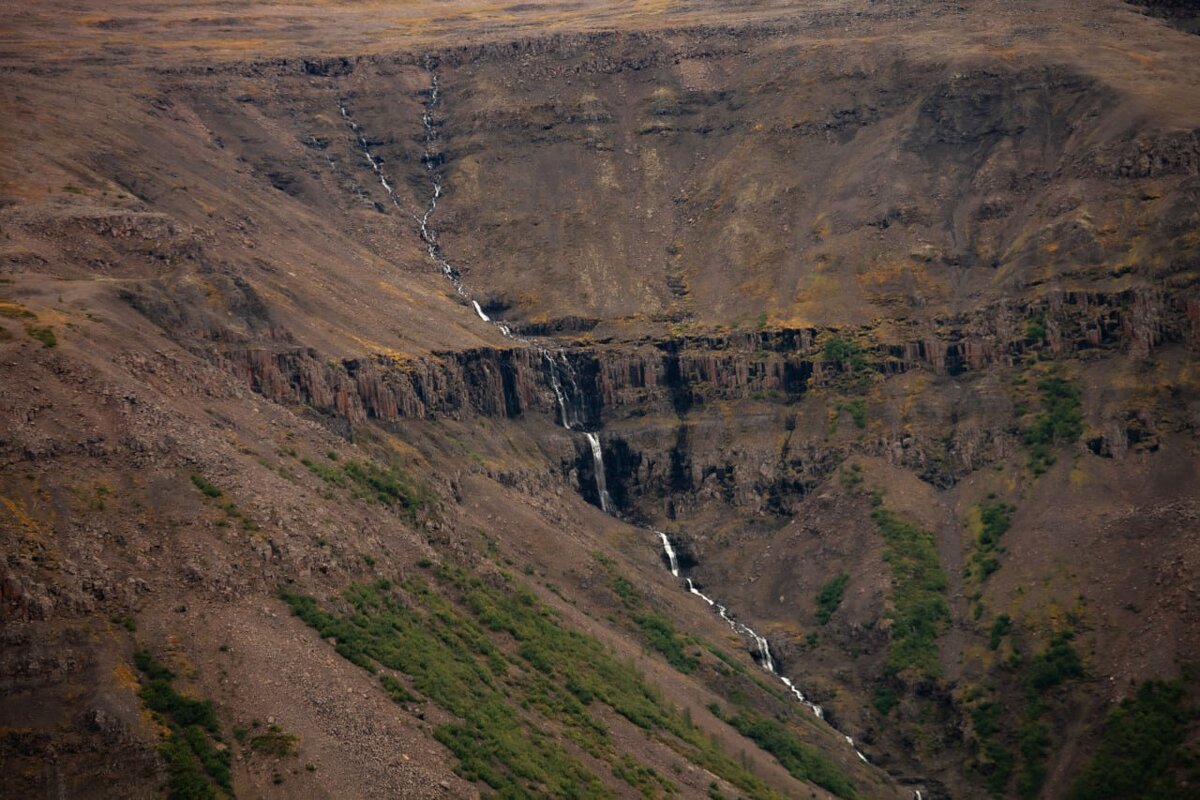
pixel 670 551
pixel 601 481
pixel 560 374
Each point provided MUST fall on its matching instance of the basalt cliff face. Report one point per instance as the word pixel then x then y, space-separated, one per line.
pixel 731 399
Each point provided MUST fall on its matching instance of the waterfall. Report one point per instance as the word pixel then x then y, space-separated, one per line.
pixel 764 651
pixel 561 375
pixel 376 164
pixel 670 551
pixel 601 482
pixel 557 386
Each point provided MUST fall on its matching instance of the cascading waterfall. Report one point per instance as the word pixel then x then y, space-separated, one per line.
pixel 670 551
pixel 559 374
pixel 364 145
pixel 601 482
pixel 764 651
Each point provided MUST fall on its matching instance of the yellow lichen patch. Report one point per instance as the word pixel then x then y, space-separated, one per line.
pixel 607 177
pixel 398 445
pixel 822 227
pixel 1077 476
pixel 1145 59
pixel 151 720
pixel 93 20
pixel 28 524
pixel 1051 247
pixel 728 413
pixel 652 168
pixel 796 320
pixel 125 678
pixel 974 523
pixel 14 310
pixel 207 208
pixel 465 179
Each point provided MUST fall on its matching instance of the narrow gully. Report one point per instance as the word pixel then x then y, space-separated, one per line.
pixel 560 376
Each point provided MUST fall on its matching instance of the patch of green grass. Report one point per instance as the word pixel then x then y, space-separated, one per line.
pixel 801 760
pixel 367 481
pixel 205 487
pixel 830 597
pixel 852 476
pixel 645 779
pixel 660 634
pixel 274 743
pixel 1142 753
pixel 656 629
pixel 1055 665
pixel 44 334
pixel 994 520
pixel 397 690
pixel 919 611
pixel 857 409
pixel 197 766
pixel 491 654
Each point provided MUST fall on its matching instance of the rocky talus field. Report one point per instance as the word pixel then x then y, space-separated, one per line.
pixel 708 399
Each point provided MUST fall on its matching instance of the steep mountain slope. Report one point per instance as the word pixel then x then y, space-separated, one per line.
pixel 330 333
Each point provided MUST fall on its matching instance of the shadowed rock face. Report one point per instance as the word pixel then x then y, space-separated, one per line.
pixel 1181 14
pixel 801 273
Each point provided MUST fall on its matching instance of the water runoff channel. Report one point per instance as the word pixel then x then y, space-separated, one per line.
pixel 559 371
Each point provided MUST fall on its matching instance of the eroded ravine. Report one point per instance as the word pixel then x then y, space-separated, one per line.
pixel 568 396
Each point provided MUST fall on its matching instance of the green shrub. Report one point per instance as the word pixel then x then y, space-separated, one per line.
pixel 1000 628
pixel 998 768
pixel 884 698
pixel 830 597
pixel 1060 421
pixel 1142 753
pixel 196 767
pixel 1053 666
pixel 844 352
pixel 919 611
pixel 995 519
pixel 1034 741
pixel 985 717
pixel 1035 328
pixel 204 486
